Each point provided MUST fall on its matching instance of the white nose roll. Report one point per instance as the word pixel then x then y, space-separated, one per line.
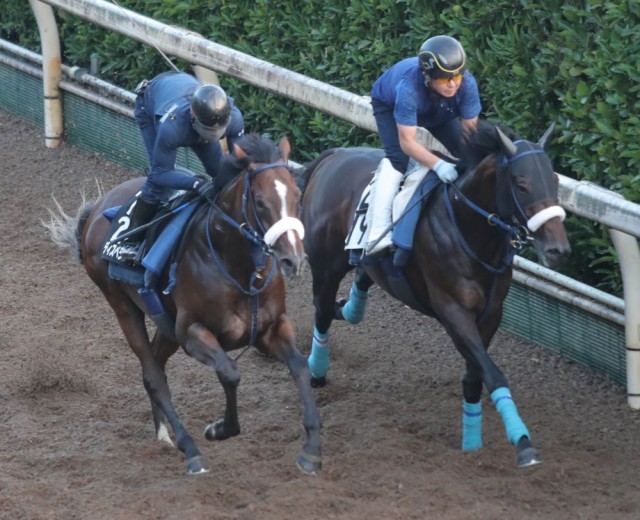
pixel 539 219
pixel 282 226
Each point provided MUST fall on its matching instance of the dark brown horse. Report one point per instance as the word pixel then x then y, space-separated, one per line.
pixel 223 298
pixel 459 270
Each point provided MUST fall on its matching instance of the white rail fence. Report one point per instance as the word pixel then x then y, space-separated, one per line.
pixel 587 200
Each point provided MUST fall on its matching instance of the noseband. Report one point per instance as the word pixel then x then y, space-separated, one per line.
pixel 520 227
pixel 541 190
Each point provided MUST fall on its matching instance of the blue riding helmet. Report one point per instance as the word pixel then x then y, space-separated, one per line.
pixel 211 111
pixel 442 57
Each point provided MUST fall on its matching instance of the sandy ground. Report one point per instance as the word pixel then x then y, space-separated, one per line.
pixel 77 437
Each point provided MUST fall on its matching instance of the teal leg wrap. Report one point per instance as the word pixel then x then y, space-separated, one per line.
pixel 516 429
pixel 471 426
pixel 353 310
pixel 319 357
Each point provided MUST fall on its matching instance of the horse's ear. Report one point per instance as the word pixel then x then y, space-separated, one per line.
pixel 546 135
pixel 508 147
pixel 285 148
pixel 239 152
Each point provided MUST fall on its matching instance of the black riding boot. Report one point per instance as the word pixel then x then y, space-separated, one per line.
pixel 142 213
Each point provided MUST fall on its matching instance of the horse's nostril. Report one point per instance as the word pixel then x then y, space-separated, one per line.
pixel 556 256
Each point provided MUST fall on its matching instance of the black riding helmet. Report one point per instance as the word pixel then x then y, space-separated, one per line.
pixel 211 111
pixel 442 57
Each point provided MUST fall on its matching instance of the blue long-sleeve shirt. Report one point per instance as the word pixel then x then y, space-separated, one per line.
pixel 164 118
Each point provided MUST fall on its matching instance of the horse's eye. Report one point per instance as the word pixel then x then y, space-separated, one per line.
pixel 260 204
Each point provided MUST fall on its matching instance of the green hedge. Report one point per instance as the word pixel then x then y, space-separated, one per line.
pixel 576 63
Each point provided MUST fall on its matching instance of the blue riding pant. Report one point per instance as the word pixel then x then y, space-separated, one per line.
pixel 151 192
pixel 448 133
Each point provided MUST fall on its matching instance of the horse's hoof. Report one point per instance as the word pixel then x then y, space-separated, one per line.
pixel 318 382
pixel 197 465
pixel 528 457
pixel 310 464
pixel 215 431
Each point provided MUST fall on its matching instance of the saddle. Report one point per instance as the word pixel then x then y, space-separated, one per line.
pixel 162 239
pixel 407 206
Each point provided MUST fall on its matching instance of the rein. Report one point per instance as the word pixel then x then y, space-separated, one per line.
pixel 517 235
pixel 260 249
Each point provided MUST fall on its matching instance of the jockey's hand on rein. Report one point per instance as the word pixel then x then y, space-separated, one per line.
pixel 206 189
pixel 445 171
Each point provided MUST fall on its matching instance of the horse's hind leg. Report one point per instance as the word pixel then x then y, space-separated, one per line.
pixel 163 348
pixel 131 320
pixel 325 288
pixel 353 309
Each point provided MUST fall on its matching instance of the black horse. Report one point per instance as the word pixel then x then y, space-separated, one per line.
pixel 229 290
pixel 460 268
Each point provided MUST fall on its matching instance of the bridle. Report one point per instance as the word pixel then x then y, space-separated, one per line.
pixel 512 217
pixel 260 240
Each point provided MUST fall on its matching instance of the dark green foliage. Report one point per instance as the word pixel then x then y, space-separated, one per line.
pixel 573 62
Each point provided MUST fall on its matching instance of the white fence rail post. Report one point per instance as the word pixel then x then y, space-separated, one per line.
pixel 52 71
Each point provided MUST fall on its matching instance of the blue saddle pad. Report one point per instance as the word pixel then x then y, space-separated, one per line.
pixel 157 253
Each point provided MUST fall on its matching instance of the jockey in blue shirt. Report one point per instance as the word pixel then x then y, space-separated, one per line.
pixel 435 91
pixel 175 110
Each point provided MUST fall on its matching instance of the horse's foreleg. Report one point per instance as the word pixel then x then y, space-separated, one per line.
pixel 472 409
pixel 353 310
pixel 281 344
pixel 462 328
pixel 202 345
pixel 517 432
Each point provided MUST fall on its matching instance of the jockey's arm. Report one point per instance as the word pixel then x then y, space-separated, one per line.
pixel 410 146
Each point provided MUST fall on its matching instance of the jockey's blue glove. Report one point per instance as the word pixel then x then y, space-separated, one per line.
pixel 445 171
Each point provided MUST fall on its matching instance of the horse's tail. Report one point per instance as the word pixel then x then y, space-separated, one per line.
pixel 302 175
pixel 66 230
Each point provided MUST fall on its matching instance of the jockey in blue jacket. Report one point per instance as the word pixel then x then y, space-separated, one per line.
pixel 435 91
pixel 175 110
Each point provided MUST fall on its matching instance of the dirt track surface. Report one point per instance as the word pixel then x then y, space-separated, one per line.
pixel 77 438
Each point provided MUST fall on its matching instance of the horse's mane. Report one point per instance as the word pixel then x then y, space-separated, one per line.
pixel 303 174
pixel 481 143
pixel 257 148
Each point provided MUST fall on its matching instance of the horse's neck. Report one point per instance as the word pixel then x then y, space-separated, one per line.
pixel 479 187
pixel 231 246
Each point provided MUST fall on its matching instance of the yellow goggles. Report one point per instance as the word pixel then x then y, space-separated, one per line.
pixel 445 81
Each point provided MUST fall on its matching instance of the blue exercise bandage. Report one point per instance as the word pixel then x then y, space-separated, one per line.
pixel 516 429
pixel 353 310
pixel 319 357
pixel 471 426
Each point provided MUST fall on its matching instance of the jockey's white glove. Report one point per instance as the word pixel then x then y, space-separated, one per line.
pixel 445 171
